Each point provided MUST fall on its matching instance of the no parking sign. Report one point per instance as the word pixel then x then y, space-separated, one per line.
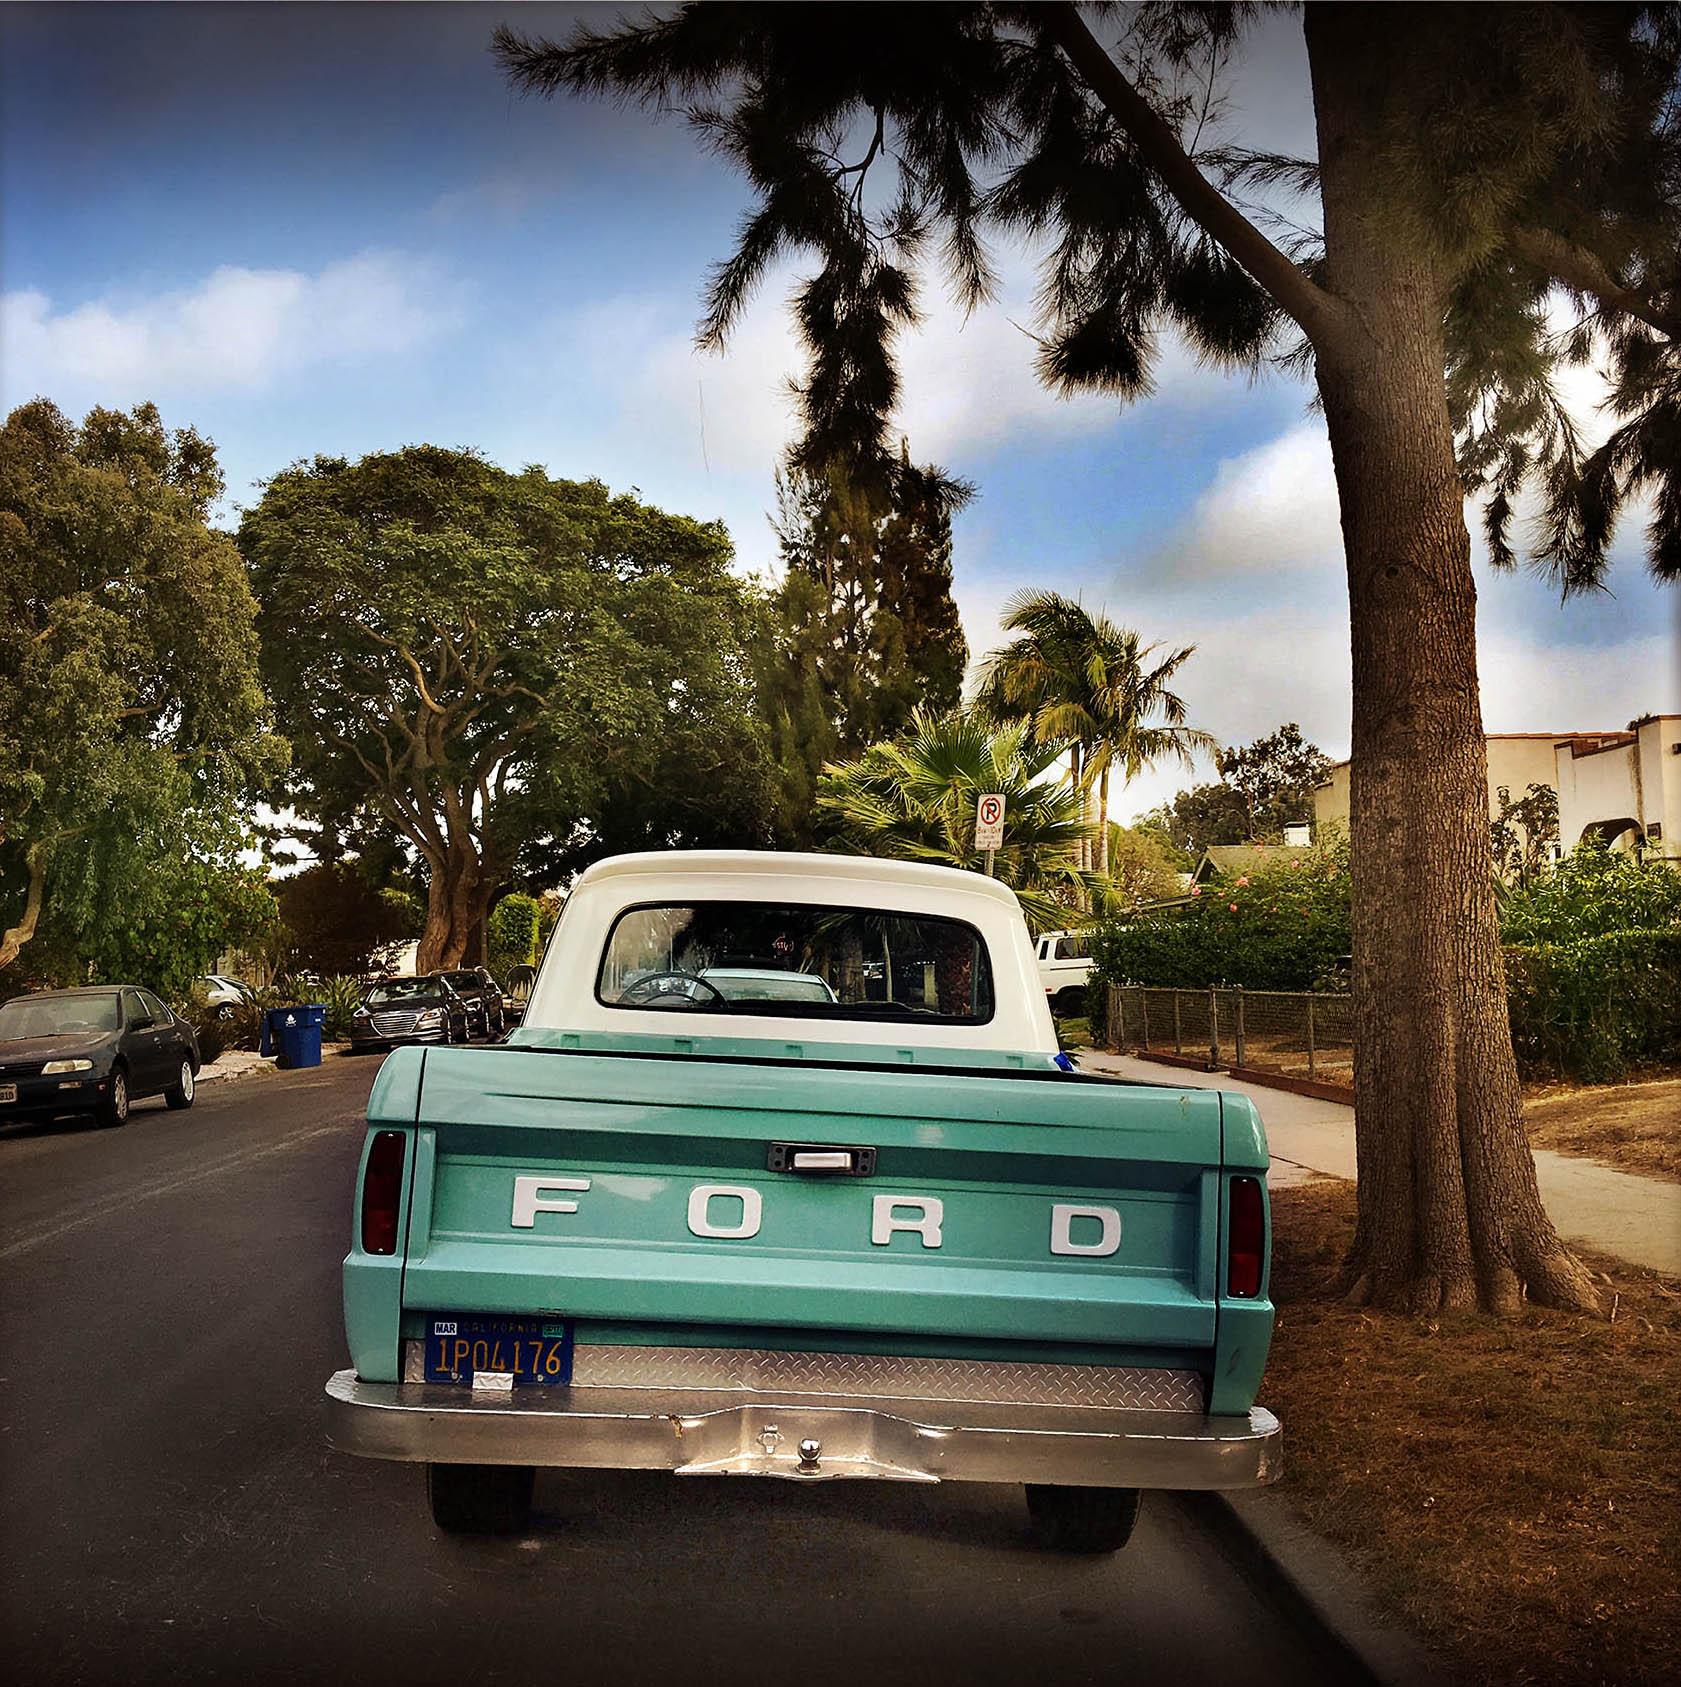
pixel 989 821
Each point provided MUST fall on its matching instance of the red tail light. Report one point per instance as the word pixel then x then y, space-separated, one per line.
pixel 1247 1228
pixel 382 1183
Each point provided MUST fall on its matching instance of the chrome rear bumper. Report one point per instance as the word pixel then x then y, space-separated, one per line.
pixel 700 1432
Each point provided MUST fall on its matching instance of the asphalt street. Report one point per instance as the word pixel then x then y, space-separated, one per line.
pixel 169 1510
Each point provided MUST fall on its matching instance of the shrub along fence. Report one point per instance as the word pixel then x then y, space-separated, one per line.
pixel 1304 1033
pixel 1598 1006
pixel 1594 1009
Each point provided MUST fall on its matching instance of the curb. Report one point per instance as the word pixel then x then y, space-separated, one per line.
pixel 1311 1579
pixel 1319 1089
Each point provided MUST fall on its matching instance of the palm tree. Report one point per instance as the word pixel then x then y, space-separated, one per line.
pixel 914 799
pixel 1090 688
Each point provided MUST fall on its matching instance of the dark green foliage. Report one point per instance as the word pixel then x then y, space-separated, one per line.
pixel 1264 787
pixel 1275 778
pixel 1593 892
pixel 1282 928
pixel 1593 1008
pixel 1203 815
pixel 132 723
pixel 513 934
pixel 510 673
pixel 334 918
pixel 340 997
pixel 863 629
pixel 1523 833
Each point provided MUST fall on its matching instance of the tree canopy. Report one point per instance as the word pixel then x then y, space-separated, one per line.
pixel 500 667
pixel 863 628
pixel 133 726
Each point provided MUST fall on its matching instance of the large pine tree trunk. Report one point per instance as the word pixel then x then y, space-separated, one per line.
pixel 1449 1213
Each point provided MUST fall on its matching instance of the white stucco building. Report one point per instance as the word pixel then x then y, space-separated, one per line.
pixel 1623 786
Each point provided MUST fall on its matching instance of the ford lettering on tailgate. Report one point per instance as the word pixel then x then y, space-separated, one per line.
pixel 735 1212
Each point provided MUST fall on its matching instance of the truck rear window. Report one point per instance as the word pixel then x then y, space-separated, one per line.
pixel 802 962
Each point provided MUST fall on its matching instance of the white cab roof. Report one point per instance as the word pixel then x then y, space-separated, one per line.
pixel 564 997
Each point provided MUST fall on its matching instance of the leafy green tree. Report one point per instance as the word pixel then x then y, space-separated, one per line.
pixel 132 722
pixel 864 629
pixel 1143 866
pixel 1264 787
pixel 335 916
pixel 486 663
pixel 1275 777
pixel 1203 815
pixel 1091 687
pixel 1473 164
pixel 1523 834
pixel 914 799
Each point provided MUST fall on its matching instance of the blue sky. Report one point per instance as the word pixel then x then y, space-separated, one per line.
pixel 325 228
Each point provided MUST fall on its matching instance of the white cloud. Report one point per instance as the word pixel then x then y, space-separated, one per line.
pixel 968 384
pixel 238 328
pixel 1269 511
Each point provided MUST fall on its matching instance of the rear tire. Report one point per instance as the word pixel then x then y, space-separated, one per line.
pixel 1082 1519
pixel 112 1110
pixel 480 1499
pixel 180 1093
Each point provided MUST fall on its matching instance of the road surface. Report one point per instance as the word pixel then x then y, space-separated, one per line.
pixel 170 1512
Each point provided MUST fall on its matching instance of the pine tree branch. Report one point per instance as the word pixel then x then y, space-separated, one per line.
pixel 1314 311
pixel 1582 270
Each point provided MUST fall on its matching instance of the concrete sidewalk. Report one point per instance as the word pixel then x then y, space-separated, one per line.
pixel 1636 1218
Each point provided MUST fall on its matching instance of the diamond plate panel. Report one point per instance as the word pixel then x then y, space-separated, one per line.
pixel 757 1370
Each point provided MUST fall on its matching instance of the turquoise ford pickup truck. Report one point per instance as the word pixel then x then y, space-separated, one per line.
pixel 784 1175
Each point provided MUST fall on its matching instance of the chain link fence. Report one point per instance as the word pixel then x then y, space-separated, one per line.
pixel 1307 1034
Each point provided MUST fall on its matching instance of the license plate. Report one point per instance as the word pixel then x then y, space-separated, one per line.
pixel 8 1092
pixel 530 1350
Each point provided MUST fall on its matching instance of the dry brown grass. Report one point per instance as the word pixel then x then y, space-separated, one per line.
pixel 1512 1487
pixel 1635 1126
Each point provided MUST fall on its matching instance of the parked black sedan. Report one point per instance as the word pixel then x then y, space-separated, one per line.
pixel 92 1051
pixel 481 993
pixel 410 1010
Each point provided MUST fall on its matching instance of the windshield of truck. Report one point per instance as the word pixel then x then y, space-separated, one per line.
pixel 804 962
pixel 58 1016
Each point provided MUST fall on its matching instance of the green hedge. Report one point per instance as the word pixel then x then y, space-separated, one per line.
pixel 1284 927
pixel 1596 1007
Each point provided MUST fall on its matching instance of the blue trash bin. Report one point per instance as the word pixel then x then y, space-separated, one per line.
pixel 300 1034
pixel 268 1031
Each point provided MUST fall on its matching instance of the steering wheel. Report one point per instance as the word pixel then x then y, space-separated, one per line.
pixel 668 986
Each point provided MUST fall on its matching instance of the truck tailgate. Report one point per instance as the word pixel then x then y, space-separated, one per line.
pixel 1025 1207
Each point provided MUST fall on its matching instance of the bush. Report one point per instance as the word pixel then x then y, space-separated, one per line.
pixel 1279 928
pixel 513 933
pixel 209 1023
pixel 340 997
pixel 1594 1007
pixel 1594 891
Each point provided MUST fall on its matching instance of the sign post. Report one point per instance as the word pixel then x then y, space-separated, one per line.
pixel 989 826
